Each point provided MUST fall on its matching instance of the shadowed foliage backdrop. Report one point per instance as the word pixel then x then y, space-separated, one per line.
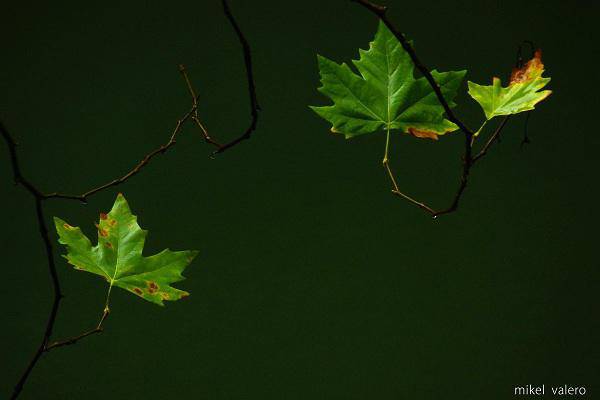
pixel 313 281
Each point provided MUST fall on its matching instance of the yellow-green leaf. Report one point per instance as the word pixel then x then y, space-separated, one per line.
pixel 522 93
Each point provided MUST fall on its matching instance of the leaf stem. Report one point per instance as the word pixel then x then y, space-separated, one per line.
pixel 106 303
pixel 387 145
pixel 481 128
pixel 396 189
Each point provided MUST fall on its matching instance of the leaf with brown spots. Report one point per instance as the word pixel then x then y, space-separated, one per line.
pixel 522 93
pixel 118 256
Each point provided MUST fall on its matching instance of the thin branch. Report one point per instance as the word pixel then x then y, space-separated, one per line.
pixel 464 177
pixel 43 229
pixel 468 162
pixel 195 117
pixel 160 150
pixel 75 339
pixel 14 160
pixel 254 107
pixel 495 136
pixel 526 139
pixel 72 340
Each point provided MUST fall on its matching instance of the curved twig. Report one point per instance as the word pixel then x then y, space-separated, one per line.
pixel 254 107
pixel 75 339
pixel 160 150
pixel 495 136
pixel 43 229
pixel 195 116
pixel 526 139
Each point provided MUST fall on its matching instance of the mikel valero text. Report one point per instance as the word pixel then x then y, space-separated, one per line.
pixel 542 390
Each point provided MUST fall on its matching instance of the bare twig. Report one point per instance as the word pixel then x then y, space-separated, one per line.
pixel 468 162
pixel 526 139
pixel 464 177
pixel 75 339
pixel 195 116
pixel 160 150
pixel 72 340
pixel 43 230
pixel 254 107
pixel 495 136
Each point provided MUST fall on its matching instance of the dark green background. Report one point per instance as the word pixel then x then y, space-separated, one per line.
pixel 313 281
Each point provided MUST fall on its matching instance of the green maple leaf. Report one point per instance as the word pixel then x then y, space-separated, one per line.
pixel 385 95
pixel 118 256
pixel 522 94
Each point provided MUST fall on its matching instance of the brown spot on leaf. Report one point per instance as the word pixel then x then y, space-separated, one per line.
pixel 184 295
pixel 67 226
pixel 103 216
pixel 101 231
pixel 531 70
pixel 138 291
pixel 109 245
pixel 152 287
pixel 112 222
pixel 423 133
